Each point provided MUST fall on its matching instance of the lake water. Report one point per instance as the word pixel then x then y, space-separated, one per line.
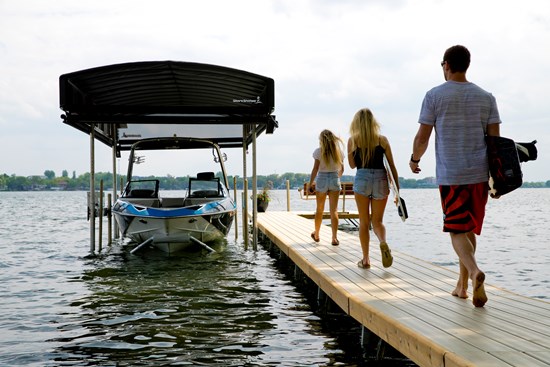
pixel 62 307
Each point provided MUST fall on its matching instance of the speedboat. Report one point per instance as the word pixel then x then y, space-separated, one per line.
pixel 202 215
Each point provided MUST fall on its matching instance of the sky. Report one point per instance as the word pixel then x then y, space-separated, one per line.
pixel 329 58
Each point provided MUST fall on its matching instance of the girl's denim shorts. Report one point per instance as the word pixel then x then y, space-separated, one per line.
pixel 372 183
pixel 327 181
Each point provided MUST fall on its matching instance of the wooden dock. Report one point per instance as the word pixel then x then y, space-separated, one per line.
pixel 345 215
pixel 409 305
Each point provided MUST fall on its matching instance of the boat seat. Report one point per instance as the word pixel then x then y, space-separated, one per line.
pixel 171 202
pixel 205 194
pixel 206 176
pixel 151 203
pixel 142 193
pixel 196 201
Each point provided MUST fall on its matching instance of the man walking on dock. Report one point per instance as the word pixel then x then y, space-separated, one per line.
pixel 462 114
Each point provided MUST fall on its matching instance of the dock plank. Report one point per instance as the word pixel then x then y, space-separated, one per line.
pixel 409 304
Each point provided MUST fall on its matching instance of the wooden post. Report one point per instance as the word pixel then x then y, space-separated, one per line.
pixel 344 189
pixel 287 195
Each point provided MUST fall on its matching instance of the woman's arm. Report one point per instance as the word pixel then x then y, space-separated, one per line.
pixel 314 171
pixel 389 156
pixel 351 161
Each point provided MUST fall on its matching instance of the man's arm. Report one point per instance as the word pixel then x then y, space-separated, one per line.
pixel 420 144
pixel 493 129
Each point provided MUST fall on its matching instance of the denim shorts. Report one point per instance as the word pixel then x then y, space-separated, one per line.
pixel 327 181
pixel 372 183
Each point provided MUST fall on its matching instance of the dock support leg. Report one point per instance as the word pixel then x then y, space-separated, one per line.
pixel 366 336
pixel 321 298
pixel 380 350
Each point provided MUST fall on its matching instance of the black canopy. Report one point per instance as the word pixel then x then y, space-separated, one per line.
pixel 133 101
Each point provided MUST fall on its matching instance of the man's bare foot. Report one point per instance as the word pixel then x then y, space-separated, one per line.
pixel 461 289
pixel 479 297
pixel 460 293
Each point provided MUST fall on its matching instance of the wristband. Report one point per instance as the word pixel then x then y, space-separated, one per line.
pixel 412 159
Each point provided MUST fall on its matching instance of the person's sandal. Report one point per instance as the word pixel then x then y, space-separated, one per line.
pixel 335 243
pixel 387 258
pixel 313 237
pixel 363 266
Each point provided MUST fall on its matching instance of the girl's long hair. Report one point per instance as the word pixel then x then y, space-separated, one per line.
pixel 365 134
pixel 331 147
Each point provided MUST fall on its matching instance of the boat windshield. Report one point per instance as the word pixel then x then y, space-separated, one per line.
pixel 142 189
pixel 204 187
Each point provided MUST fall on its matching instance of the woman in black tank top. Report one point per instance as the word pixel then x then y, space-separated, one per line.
pixel 366 150
pixel 376 162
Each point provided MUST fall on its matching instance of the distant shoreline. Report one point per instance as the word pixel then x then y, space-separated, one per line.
pixel 49 182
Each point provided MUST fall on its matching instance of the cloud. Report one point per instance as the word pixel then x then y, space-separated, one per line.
pixel 328 59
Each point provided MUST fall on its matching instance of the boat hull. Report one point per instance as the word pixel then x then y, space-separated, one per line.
pixel 175 229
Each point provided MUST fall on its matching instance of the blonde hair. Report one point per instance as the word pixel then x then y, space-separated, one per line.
pixel 331 147
pixel 365 133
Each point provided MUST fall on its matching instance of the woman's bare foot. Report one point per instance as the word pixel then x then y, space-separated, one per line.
pixel 479 297
pixel 364 264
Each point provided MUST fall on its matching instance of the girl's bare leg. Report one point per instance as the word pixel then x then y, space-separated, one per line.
pixel 378 208
pixel 333 197
pixel 363 207
pixel 320 198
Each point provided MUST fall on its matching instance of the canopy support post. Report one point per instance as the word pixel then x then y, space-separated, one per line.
pixel 254 193
pixel 115 183
pixel 92 189
pixel 245 192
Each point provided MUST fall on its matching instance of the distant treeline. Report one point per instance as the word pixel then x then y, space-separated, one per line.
pixel 49 181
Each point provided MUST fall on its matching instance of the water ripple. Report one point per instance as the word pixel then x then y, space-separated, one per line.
pixel 62 307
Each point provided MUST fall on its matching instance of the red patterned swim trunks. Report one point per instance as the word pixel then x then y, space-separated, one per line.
pixel 464 207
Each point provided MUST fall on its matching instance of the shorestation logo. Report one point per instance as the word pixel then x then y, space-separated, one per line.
pixel 124 135
pixel 248 100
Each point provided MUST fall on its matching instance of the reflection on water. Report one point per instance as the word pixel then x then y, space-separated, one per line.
pixel 232 308
pixel 64 308
pixel 229 308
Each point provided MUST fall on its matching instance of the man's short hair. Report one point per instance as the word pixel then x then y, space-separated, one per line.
pixel 458 58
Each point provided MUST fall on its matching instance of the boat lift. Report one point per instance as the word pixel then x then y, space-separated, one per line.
pixel 120 104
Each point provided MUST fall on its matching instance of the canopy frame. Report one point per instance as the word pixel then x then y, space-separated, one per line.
pixel 121 104
pixel 167 98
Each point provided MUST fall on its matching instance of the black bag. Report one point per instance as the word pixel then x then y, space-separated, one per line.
pixel 527 151
pixel 504 165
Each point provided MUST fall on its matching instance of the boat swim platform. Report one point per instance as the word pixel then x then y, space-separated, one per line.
pixel 409 305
